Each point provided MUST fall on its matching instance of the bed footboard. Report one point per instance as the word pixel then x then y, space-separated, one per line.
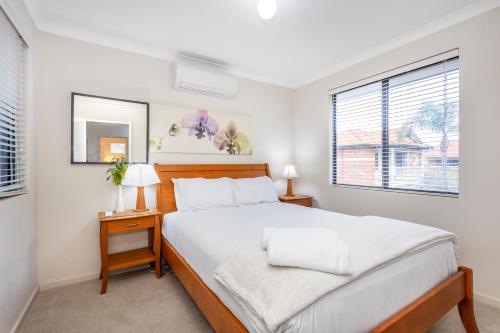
pixel 422 314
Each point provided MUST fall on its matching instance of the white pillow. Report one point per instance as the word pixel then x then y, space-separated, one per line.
pixel 253 190
pixel 202 193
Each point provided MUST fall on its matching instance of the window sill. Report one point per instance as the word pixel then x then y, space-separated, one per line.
pixel 369 188
pixel 7 195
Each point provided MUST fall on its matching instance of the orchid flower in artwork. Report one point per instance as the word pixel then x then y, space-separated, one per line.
pixel 200 124
pixel 232 140
pixel 156 142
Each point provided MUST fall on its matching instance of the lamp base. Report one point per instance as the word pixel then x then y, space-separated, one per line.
pixel 140 210
pixel 140 204
pixel 289 188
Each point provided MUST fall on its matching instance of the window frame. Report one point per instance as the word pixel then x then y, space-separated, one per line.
pixel 385 139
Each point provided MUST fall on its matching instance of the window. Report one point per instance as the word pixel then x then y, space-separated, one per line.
pixel 399 132
pixel 12 164
pixel 400 158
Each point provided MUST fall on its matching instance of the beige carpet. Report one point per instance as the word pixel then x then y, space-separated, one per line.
pixel 138 302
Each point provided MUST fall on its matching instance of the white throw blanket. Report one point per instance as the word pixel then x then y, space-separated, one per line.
pixel 318 249
pixel 271 295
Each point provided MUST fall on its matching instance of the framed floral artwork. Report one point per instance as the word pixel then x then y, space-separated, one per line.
pixel 176 129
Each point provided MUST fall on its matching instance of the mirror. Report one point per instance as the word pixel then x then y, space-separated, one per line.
pixel 105 128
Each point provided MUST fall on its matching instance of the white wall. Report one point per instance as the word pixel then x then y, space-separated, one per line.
pixel 17 214
pixel 69 196
pixel 475 215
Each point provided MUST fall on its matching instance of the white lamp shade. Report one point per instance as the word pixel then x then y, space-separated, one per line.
pixel 290 172
pixel 140 175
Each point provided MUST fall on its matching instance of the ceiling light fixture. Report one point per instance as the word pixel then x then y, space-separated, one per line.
pixel 267 8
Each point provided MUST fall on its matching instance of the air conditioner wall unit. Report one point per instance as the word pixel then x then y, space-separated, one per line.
pixel 204 79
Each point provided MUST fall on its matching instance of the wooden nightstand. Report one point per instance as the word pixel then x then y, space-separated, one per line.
pixel 126 222
pixel 298 199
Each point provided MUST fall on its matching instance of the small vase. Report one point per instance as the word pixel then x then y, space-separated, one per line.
pixel 119 201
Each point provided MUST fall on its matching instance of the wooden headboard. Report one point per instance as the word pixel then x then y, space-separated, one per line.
pixel 165 199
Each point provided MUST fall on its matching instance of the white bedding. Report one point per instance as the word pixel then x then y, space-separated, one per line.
pixel 204 237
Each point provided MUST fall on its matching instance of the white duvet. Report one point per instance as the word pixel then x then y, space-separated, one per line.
pixel 271 295
pixel 205 238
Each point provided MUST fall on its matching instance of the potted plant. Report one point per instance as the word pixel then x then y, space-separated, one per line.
pixel 116 174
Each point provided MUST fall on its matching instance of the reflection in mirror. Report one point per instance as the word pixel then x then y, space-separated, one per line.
pixel 106 128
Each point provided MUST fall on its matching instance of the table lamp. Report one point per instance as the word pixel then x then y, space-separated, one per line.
pixel 289 173
pixel 140 175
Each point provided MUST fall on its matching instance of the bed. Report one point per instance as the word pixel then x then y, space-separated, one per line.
pixel 193 246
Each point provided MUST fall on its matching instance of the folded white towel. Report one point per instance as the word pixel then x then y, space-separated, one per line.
pixel 317 249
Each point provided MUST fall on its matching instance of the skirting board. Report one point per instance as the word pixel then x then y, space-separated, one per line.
pixel 482 298
pixel 25 309
pixel 82 278
pixel 63 282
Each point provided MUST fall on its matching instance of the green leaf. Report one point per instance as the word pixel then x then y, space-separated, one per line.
pixel 117 170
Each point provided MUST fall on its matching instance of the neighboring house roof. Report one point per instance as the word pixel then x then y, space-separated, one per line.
pixel 397 137
pixel 452 152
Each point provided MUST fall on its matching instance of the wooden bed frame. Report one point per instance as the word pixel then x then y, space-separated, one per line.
pixel 417 317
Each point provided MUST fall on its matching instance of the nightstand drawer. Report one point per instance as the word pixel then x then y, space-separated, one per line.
pixel 298 199
pixel 302 202
pixel 137 223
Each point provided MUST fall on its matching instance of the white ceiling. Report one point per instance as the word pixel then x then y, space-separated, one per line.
pixel 306 40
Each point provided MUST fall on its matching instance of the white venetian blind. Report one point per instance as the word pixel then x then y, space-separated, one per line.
pixel 400 132
pixel 423 129
pixel 358 135
pixel 12 139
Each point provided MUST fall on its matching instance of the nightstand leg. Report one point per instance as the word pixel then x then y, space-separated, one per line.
pixel 104 257
pixel 104 283
pixel 151 235
pixel 157 245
